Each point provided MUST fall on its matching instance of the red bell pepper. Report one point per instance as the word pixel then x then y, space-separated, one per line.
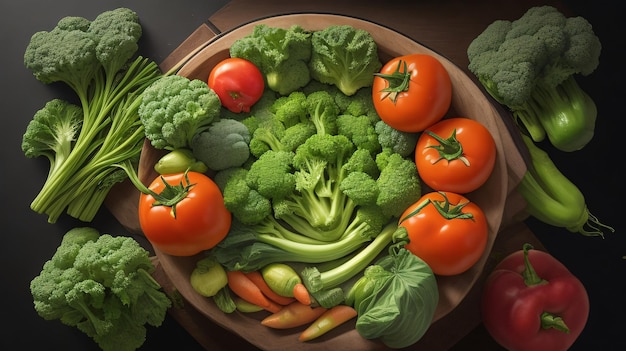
pixel 538 306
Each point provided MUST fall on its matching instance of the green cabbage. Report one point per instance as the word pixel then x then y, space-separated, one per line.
pixel 396 299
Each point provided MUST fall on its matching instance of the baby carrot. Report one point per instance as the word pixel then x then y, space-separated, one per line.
pixel 330 319
pixel 258 279
pixel 301 293
pixel 293 315
pixel 241 285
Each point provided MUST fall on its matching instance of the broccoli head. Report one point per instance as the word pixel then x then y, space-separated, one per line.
pixel 281 54
pixel 399 184
pixel 117 33
pixel 223 145
pixel 344 56
pixel 529 66
pixel 67 53
pixel 244 202
pixel 174 109
pixel 52 132
pixel 101 285
pixel 397 141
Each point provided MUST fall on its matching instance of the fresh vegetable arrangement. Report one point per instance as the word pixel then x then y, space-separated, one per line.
pixel 301 176
pixel 531 301
pixel 101 285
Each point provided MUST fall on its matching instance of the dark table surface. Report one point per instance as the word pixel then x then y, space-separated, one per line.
pixel 29 240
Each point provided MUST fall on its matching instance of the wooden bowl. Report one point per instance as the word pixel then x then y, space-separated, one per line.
pixel 467 101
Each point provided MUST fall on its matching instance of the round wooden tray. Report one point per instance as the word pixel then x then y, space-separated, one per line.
pixel 467 101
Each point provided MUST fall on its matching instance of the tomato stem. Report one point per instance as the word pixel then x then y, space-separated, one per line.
pixel 397 81
pixel 445 209
pixel 449 149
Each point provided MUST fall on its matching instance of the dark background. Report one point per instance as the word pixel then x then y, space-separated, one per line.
pixel 28 240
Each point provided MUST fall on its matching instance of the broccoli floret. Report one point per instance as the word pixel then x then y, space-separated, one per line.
pixel 397 141
pixel 101 285
pixel 175 108
pixel 529 65
pixel 95 59
pixel 360 187
pixel 223 145
pixel 285 129
pixel 291 109
pixel 362 160
pixel 116 33
pixel 282 55
pixel 360 130
pixel 399 184
pixel 272 174
pixel 52 132
pixel 323 111
pixel 344 56
pixel 245 203
pixel 362 104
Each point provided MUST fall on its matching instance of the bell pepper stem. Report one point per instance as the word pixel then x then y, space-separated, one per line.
pixel 548 320
pixel 530 275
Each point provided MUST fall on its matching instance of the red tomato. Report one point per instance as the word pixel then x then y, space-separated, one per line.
pixel 455 154
pixel 412 92
pixel 200 220
pixel 238 83
pixel 447 231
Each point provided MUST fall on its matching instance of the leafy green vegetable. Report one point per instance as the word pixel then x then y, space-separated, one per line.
pixel 530 64
pixel 395 299
pixel 95 59
pixel 101 285
pixel 344 56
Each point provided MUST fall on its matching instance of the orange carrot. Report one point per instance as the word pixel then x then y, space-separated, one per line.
pixel 329 320
pixel 293 315
pixel 241 285
pixel 301 293
pixel 258 279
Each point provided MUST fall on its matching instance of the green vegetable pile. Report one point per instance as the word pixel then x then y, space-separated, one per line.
pixel 84 142
pixel 339 55
pixel 101 285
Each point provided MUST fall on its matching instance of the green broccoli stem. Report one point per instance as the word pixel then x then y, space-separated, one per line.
pixel 272 227
pixel 567 114
pixel 336 276
pixel 315 253
pixel 553 199
pixel 105 125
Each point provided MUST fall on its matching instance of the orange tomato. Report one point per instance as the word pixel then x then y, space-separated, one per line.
pixel 412 92
pixel 455 154
pixel 197 222
pixel 447 231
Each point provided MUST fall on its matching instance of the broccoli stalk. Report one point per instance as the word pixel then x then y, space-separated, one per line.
pixel 94 58
pixel 322 284
pixel 529 66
